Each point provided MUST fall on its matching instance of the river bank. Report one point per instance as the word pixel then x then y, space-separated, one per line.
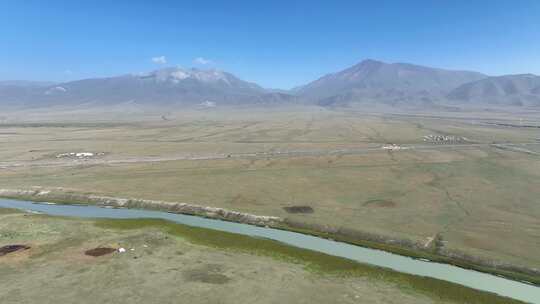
pixel 401 247
pixel 186 261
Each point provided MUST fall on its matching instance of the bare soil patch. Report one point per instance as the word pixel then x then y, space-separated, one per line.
pixel 100 251
pixel 299 209
pixel 12 248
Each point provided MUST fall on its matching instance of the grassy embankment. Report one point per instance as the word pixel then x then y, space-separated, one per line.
pixel 404 248
pixel 314 261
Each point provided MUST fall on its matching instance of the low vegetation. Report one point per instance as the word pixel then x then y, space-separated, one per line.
pixel 466 195
pixel 314 261
pixel 192 257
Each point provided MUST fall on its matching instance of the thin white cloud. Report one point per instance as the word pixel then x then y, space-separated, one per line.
pixel 159 60
pixel 68 72
pixel 202 61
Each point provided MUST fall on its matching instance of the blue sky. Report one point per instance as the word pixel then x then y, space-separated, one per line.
pixel 274 43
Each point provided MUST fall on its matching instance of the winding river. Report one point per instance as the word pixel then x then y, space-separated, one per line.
pixel 469 278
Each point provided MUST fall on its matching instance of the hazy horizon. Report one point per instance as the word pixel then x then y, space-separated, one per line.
pixel 166 66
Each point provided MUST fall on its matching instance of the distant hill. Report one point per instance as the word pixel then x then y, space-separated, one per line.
pixel 517 90
pixel 12 92
pixel 395 83
pixel 165 87
pixel 370 82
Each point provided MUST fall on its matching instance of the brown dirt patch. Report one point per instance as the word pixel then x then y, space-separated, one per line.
pixel 12 248
pixel 380 203
pixel 100 251
pixel 299 209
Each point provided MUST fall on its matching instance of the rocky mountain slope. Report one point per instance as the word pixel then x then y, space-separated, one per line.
pixel 370 82
pixel 516 90
pixel 165 87
pixel 395 83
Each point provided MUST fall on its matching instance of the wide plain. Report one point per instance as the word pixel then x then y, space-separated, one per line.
pixel 478 196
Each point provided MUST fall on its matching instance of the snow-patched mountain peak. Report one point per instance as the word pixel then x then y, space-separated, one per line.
pixel 55 90
pixel 177 75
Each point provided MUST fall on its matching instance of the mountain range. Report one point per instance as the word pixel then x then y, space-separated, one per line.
pixel 369 82
pixel 396 83
pixel 165 87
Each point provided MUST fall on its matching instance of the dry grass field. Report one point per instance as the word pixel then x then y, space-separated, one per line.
pixel 481 198
pixel 78 261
